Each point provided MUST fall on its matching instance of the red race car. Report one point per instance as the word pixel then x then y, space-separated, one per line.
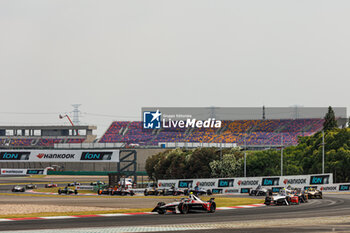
pixel 185 205
pixel 51 185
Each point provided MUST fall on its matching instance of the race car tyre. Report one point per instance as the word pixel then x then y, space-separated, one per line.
pixel 209 192
pixel 212 208
pixel 280 202
pixel 184 208
pixel 75 192
pixel 145 193
pixel 161 211
pixel 59 191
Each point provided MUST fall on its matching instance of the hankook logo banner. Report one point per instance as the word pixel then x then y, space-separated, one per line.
pixel 60 156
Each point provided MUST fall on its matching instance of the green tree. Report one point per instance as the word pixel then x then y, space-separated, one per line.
pixel 305 158
pixel 198 163
pixel 229 166
pixel 264 163
pixel 329 120
pixel 151 163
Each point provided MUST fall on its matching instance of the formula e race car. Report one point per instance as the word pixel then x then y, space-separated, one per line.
pixel 277 199
pixel 313 193
pixel 104 191
pixel 115 191
pixel 259 191
pixel 122 192
pixel 152 189
pixel 74 184
pixel 31 186
pixel 51 185
pixel 185 205
pixel 18 188
pixel 67 191
pixel 171 192
pixel 284 197
pixel 303 198
pixel 97 183
pixel 198 191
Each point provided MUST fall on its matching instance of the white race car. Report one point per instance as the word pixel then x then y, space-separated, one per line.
pixel 18 188
pixel 185 205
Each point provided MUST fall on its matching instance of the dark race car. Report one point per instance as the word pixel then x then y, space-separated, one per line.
pixel 104 191
pixel 67 191
pixel 97 183
pixel 51 185
pixel 18 188
pixel 122 192
pixel 115 191
pixel 31 186
pixel 186 205
pixel 171 192
pixel 259 191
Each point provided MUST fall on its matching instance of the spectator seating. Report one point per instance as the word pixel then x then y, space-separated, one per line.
pixel 251 132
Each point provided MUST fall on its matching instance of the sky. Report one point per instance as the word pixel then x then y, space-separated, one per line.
pixel 114 57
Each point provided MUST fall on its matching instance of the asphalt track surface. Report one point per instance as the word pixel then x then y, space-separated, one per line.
pixel 332 205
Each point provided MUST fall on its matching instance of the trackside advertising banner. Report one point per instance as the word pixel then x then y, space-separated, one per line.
pixel 236 185
pixel 20 172
pixel 59 155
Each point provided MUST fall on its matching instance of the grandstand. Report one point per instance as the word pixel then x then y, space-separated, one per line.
pixel 240 126
pixel 251 132
pixel 44 136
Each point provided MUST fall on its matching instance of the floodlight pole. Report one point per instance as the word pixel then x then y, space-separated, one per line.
pixel 322 152
pixel 245 157
pixel 281 154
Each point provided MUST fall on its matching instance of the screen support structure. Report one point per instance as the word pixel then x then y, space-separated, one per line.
pixel 127 164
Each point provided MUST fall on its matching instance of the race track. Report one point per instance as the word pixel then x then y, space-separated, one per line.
pixel 270 218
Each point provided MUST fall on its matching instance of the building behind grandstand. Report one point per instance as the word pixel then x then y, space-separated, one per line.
pixel 44 136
